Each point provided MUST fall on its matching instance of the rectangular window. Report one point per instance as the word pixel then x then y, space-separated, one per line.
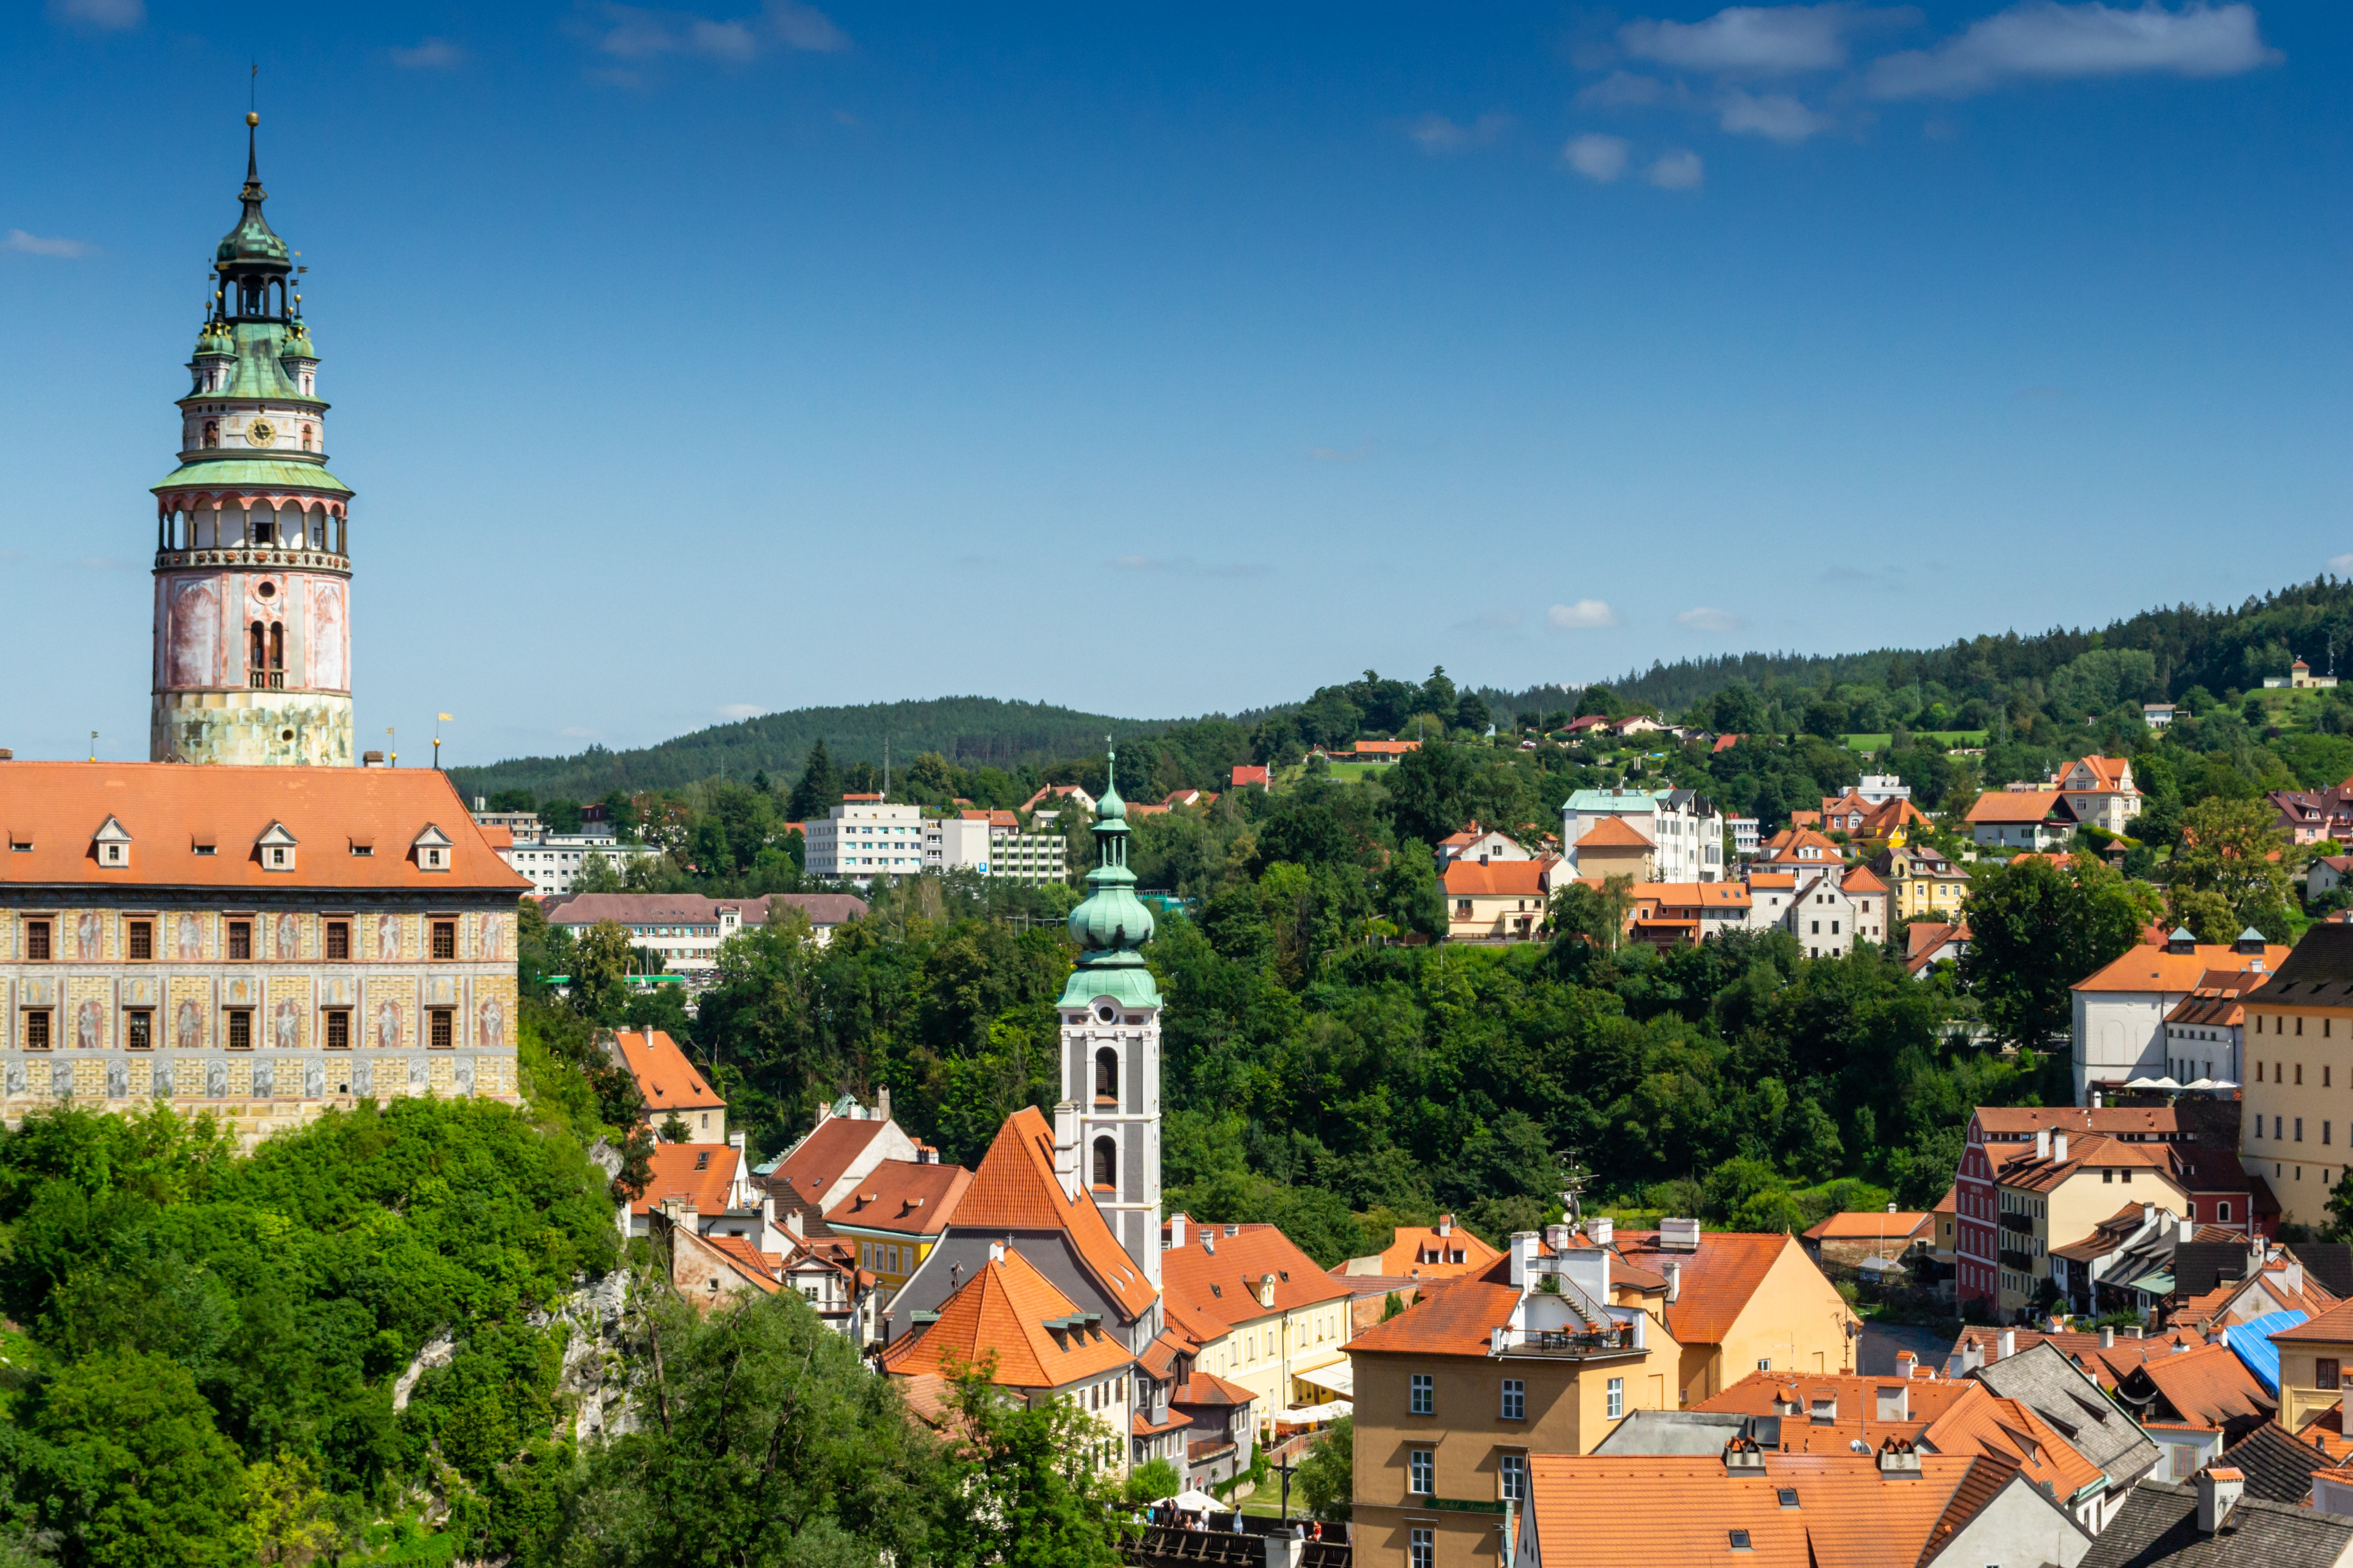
pixel 36 941
pixel 2299 1129
pixel 1516 1478
pixel 2324 1372
pixel 143 940
pixel 1423 1481
pixel 1423 1552
pixel 441 1020
pixel 1617 1398
pixel 445 939
pixel 139 1029
pixel 240 939
pixel 2299 1068
pixel 1424 1400
pixel 240 1029
pixel 1515 1399
pixel 339 1030
pixel 339 938
pixel 36 1029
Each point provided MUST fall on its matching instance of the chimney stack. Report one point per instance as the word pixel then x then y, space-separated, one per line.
pixel 1742 1456
pixel 2220 1488
pixel 1557 1238
pixel 1177 1230
pixel 1066 1147
pixel 1907 1365
pixel 2007 1346
pixel 2108 1338
pixel 1446 1225
pixel 2042 1142
pixel 997 1252
pixel 2059 1148
pixel 1898 1460
pixel 1523 1254
pixel 1603 1230
pixel 1674 1272
pixel 2095 1100
pixel 2189 1227
pixel 882 1103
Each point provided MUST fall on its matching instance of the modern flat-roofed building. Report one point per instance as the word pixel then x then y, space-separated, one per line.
pixel 864 837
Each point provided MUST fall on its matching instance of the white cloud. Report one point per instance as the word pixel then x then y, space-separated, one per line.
pixel 1437 134
pixel 1711 620
pixel 1764 41
pixel 1583 614
pixel 1776 116
pixel 24 243
pixel 1595 156
pixel 432 55
pixel 740 711
pixel 2042 40
pixel 102 16
pixel 1677 171
pixel 2341 564
pixel 632 33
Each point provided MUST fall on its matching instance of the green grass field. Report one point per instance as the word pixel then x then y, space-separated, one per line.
pixel 1944 737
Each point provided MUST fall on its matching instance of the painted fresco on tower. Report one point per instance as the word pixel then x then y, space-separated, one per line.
pixel 194 632
pixel 323 639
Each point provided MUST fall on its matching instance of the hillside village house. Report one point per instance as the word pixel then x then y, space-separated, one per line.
pixel 266 940
pixel 1439 1252
pixel 1544 1351
pixel 1479 844
pixel 2014 819
pixel 1497 900
pixel 1676 914
pixel 2100 792
pixel 670 1087
pixel 2299 677
pixel 1928 942
pixel 2120 1010
pixel 1846 1240
pixel 1259 1311
pixel 685 929
pixel 1802 853
pixel 2058 1194
pixel 2204 1031
pixel 1997 1135
pixel 1771 896
pixel 1829 915
pixel 2296 1124
pixel 895 1212
pixel 1684 831
pixel 1612 847
pixel 1737 1302
pixel 1922 882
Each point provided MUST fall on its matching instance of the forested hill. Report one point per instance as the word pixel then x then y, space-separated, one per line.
pixel 2218 649
pixel 970 732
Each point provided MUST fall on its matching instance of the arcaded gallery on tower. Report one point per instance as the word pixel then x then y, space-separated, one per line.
pixel 251 919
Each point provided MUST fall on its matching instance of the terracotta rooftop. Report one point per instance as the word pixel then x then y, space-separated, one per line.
pixel 666 1079
pixel 903 1198
pixel 2009 807
pixel 1717 1280
pixel 1614 833
pixel 1016 1189
pixel 1498 879
pixel 1217 1275
pixel 2157 969
pixel 831 1148
pixel 2207 1388
pixel 1419 1251
pixel 173 810
pixel 1867 1224
pixel 700 1173
pixel 1006 1308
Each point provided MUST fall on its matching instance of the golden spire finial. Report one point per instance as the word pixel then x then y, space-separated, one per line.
pixel 251 117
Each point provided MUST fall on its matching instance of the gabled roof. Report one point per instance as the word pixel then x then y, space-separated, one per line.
pixel 2013 805
pixel 2064 1396
pixel 171 807
pixel 1861 880
pixel 2114 1120
pixel 1006 1308
pixel 1868 1225
pixel 700 1173
pixel 1692 895
pixel 1016 1189
pixel 2278 1467
pixel 1717 1280
pixel 2157 1527
pixel 666 1079
pixel 1216 1275
pixel 2318 973
pixel 1614 833
pixel 2208 1388
pixel 2012 1429
pixel 1498 879
pixel 2107 772
pixel 1207 1388
pixel 903 1196
pixel 1403 1256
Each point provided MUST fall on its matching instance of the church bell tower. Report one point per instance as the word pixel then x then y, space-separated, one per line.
pixel 253 572
pixel 1107 1127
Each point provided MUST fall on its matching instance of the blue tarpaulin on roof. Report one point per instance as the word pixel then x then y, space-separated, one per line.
pixel 2251 1343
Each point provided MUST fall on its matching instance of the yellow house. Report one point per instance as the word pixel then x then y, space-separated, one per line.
pixel 1738 1302
pixel 1921 882
pixel 2313 1357
pixel 2296 1126
pixel 894 1214
pixel 1503 898
pixel 1542 1351
pixel 2058 1196
pixel 1256 1312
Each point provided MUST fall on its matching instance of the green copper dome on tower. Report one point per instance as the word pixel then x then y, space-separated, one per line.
pixel 252 240
pixel 1111 925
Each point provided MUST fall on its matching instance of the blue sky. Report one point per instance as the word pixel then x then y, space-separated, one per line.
pixel 689 364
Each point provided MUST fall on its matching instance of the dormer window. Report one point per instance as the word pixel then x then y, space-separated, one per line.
pixel 275 848
pixel 112 844
pixel 431 849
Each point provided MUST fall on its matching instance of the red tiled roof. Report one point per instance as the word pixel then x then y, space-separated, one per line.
pixel 2332 1327
pixel 1207 1388
pixel 698 1173
pixel 1016 1189
pixel 2013 805
pixel 903 1198
pixel 1246 774
pixel 2009 1428
pixel 666 1079
pixel 831 1148
pixel 1717 1280
pixel 1222 1286
pixel 2208 1387
pixel 1004 1309
pixel 1861 880
pixel 167 808
pixel 1867 1224
pixel 2157 969
pixel 1498 879
pixel 1403 1256
pixel 1614 833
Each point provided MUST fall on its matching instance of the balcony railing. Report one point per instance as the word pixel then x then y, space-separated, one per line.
pixel 2021 1261
pixel 2022 1223
pixel 1565 1343
pixel 270 679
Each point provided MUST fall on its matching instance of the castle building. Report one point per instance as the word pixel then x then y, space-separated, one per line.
pixel 266 943
pixel 252 609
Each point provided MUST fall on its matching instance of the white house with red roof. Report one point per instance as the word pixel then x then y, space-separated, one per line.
pixel 2100 792
pixel 2121 1011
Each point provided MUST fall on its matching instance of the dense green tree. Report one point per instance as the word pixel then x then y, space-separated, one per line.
pixel 1327 1477
pixel 819 790
pixel 141 1478
pixel 2036 929
pixel 601 963
pixel 2234 848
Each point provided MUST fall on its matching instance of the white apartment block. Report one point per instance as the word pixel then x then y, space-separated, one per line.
pixel 1686 828
pixel 993 848
pixel 1878 789
pixel 864 837
pixel 1744 837
pixel 553 860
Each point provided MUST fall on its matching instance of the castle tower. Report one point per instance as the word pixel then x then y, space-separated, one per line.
pixel 253 627
pixel 1107 1127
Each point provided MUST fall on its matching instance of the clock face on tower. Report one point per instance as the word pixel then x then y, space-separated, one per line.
pixel 260 432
